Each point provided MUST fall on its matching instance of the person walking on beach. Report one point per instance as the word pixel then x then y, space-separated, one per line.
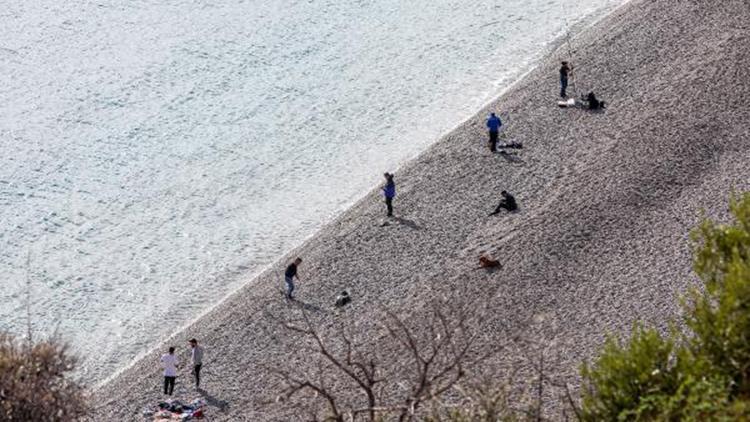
pixel 508 203
pixel 289 275
pixel 493 124
pixel 389 191
pixel 564 70
pixel 169 363
pixel 196 358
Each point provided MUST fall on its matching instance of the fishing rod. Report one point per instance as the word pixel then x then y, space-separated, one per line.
pixel 570 52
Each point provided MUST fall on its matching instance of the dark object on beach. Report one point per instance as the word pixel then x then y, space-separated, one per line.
pixel 508 203
pixel 593 102
pixel 176 410
pixel 389 191
pixel 486 262
pixel 343 299
pixel 514 145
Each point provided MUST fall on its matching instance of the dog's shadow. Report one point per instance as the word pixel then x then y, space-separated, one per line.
pixel 491 270
pixel 408 223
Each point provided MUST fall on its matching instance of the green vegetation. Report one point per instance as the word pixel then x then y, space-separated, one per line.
pixel 698 371
pixel 701 372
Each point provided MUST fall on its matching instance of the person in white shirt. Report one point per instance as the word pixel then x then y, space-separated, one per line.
pixel 169 362
pixel 196 357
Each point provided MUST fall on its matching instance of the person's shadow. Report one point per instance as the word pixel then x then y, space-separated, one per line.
pixel 212 401
pixel 305 305
pixel 511 157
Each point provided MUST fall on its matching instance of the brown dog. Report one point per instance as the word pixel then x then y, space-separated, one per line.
pixel 485 262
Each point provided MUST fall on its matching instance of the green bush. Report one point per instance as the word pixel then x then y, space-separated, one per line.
pixel 702 373
pixel 719 316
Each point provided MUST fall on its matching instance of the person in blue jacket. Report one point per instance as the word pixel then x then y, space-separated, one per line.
pixel 389 191
pixel 493 124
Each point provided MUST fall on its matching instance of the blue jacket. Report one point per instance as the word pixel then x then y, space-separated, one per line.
pixel 494 123
pixel 390 190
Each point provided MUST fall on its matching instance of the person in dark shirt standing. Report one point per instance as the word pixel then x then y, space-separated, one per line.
pixel 508 203
pixel 564 70
pixel 289 275
pixel 389 191
pixel 493 124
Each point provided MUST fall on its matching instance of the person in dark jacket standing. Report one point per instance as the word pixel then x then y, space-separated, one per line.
pixel 564 70
pixel 289 275
pixel 389 191
pixel 508 203
pixel 493 124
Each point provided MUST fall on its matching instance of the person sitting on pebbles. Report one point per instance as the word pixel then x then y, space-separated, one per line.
pixel 508 203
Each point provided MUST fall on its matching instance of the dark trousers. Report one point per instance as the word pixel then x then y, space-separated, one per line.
pixel 197 373
pixel 563 86
pixel 389 205
pixel 503 206
pixel 169 385
pixel 289 287
pixel 493 141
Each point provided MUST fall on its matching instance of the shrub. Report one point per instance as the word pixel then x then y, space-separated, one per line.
pixel 719 316
pixel 700 374
pixel 34 382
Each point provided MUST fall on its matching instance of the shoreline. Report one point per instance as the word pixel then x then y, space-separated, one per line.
pixel 574 29
pixel 591 266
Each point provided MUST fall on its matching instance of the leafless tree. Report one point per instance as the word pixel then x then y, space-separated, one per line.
pixel 435 353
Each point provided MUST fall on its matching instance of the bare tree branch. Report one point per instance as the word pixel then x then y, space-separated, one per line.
pixel 437 352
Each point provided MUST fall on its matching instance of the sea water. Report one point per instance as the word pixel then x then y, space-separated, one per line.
pixel 156 154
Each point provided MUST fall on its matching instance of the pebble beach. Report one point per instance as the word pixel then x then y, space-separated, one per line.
pixel 601 240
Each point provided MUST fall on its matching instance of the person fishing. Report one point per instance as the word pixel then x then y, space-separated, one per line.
pixel 565 69
pixel 508 203
pixel 389 192
pixel 493 124
pixel 289 275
